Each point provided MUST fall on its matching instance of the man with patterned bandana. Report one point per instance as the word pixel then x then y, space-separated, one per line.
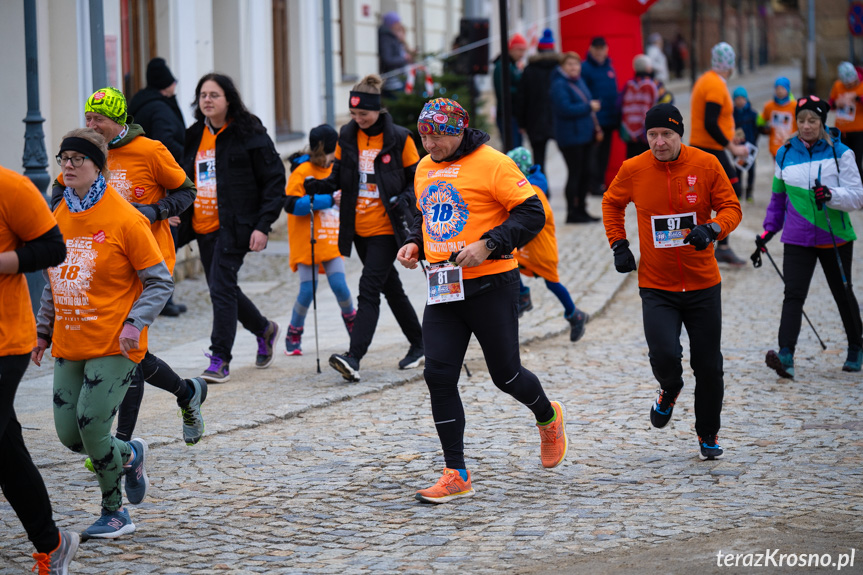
pixel 475 208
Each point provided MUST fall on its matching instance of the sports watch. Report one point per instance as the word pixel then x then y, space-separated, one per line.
pixel 162 212
pixel 716 228
pixel 490 244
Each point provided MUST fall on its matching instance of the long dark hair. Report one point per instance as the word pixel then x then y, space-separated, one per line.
pixel 243 120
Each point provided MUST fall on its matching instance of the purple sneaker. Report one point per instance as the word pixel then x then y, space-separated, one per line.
pixel 266 345
pixel 218 371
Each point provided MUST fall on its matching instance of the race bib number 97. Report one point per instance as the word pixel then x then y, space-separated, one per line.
pixel 669 231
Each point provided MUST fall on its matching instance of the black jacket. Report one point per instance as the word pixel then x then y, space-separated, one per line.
pixel 250 185
pixel 161 119
pixel 533 103
pixel 395 182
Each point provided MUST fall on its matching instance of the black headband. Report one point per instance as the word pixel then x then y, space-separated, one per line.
pixel 87 148
pixel 365 101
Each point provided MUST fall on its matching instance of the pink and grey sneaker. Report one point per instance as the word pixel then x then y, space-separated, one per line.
pixel 218 371
pixel 349 318
pixel 293 341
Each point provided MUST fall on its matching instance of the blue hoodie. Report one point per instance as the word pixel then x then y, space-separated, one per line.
pixel 570 107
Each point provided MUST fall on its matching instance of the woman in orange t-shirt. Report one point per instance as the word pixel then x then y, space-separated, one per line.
pixel 29 241
pixel 97 306
pixel 846 100
pixel 374 168
pixel 316 162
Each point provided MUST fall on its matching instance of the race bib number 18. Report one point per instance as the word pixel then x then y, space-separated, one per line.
pixel 669 231
pixel 445 284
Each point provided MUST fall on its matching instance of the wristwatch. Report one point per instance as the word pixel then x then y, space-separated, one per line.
pixel 715 227
pixel 162 213
pixel 490 244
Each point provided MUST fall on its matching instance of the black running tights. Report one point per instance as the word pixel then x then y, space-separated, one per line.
pixel 492 317
pixel 158 374
pixel 20 481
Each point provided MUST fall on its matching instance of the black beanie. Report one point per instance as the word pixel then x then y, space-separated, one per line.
pixel 815 104
pixel 664 116
pixel 158 74
pixel 326 135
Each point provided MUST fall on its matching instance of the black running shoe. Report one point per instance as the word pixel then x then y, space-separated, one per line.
pixel 415 356
pixel 576 323
pixel 663 407
pixel 347 365
pixel 709 447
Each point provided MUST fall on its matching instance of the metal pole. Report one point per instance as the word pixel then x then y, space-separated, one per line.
pixel 329 90
pixel 506 104
pixel 810 51
pixel 740 29
pixel 97 44
pixel 35 158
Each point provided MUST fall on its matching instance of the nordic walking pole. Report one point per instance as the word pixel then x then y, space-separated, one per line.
pixel 758 265
pixel 312 241
pixel 848 294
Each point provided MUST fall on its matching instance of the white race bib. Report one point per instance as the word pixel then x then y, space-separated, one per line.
pixel 669 231
pixel 445 284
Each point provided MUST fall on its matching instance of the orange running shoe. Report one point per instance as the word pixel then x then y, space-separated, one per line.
pixel 553 441
pixel 449 486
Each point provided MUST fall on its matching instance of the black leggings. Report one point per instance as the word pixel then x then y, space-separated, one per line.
pixel 491 316
pixel 20 481
pixel 854 140
pixel 700 311
pixel 798 265
pixel 578 179
pixel 158 374
pixel 379 276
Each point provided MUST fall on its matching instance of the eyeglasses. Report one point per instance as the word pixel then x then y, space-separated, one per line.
pixel 77 161
pixel 211 96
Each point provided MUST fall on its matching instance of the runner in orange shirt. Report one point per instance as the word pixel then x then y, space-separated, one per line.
pixel 316 162
pixel 95 311
pixel 846 99
pixel 475 208
pixel 145 173
pixel 539 257
pixel 29 241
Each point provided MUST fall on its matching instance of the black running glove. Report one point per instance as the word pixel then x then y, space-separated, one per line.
pixel 624 261
pixel 700 237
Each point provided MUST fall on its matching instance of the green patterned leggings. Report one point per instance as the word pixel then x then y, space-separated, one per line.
pixel 86 397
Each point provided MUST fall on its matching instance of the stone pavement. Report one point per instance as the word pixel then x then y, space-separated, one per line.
pixel 319 477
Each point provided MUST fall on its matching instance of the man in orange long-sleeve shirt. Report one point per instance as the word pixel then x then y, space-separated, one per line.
pixel 676 189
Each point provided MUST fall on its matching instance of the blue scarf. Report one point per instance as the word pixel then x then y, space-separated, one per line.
pixel 93 195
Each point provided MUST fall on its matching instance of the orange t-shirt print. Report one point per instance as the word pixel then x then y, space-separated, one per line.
pixel 326 222
pixel 849 116
pixel 97 284
pixel 205 218
pixel 24 216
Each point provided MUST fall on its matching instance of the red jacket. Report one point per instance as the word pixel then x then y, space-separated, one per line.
pixel 663 193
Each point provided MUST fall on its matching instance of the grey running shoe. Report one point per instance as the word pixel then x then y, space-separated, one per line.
pixel 57 561
pixel 110 525
pixel 218 371
pixel 347 365
pixel 137 481
pixel 266 345
pixel 193 421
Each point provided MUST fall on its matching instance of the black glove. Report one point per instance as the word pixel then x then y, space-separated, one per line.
pixel 149 210
pixel 822 195
pixel 761 241
pixel 312 186
pixel 700 237
pixel 624 261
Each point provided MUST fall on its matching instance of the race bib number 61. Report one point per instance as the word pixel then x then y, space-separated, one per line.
pixel 669 231
pixel 444 284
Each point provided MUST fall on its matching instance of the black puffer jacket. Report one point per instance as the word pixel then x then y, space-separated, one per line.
pixel 394 181
pixel 251 182
pixel 161 119
pixel 533 102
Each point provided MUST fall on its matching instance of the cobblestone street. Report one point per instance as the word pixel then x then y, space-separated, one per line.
pixel 304 473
